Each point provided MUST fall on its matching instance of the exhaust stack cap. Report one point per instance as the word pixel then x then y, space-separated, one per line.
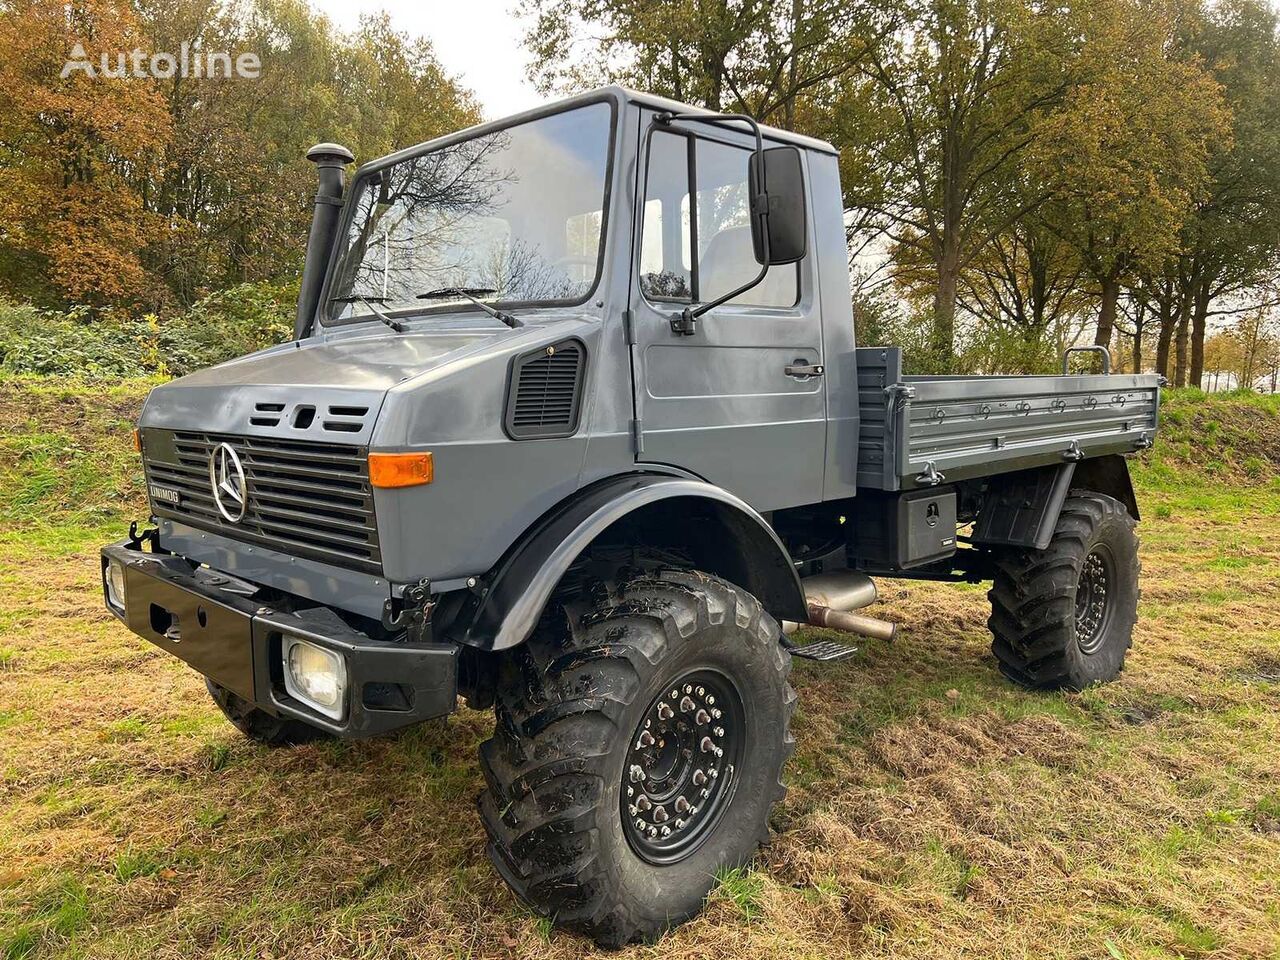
pixel 330 153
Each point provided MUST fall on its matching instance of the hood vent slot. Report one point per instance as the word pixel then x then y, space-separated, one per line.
pixel 335 418
pixel 544 394
pixel 266 414
pixel 343 419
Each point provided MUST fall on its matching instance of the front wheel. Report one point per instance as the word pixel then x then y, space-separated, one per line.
pixel 260 726
pixel 638 749
pixel 1064 616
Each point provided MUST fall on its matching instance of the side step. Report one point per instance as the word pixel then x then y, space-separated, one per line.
pixel 826 651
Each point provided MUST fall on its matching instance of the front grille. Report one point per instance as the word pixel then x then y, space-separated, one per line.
pixel 308 499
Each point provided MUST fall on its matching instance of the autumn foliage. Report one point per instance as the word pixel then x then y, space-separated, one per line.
pixel 151 192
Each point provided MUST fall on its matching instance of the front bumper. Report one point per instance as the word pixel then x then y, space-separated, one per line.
pixel 215 624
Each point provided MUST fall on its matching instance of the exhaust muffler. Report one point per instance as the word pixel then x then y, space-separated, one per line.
pixel 831 599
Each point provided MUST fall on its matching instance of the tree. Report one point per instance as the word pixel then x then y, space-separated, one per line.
pixel 1231 240
pixel 1126 156
pixel 933 127
pixel 1026 283
pixel 153 191
pixel 765 57
pixel 71 228
pixel 236 189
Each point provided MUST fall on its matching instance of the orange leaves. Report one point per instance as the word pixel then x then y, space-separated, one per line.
pixel 80 144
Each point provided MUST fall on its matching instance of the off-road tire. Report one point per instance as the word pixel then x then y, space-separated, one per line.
pixel 571 703
pixel 1049 629
pixel 260 726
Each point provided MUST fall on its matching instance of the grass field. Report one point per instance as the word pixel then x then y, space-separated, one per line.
pixel 934 810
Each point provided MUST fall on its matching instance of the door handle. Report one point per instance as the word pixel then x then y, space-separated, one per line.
pixel 804 369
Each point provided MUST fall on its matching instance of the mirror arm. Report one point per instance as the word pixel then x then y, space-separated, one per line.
pixel 685 322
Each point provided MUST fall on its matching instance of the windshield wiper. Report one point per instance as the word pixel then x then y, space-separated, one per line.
pixel 472 294
pixel 395 325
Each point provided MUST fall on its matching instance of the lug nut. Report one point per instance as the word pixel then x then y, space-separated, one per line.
pixel 699 778
pixel 643 803
pixel 680 824
pixel 636 773
pixel 702 692
pixel 718 731
pixel 665 712
pixel 702 717
pixel 686 704
pixel 665 832
pixel 640 825
pixel 711 700
pixel 646 738
pixel 660 815
pixel 682 805
pixel 706 745
pixel 688 689
pixel 716 713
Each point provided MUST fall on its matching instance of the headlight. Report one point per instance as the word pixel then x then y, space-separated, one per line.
pixel 115 584
pixel 316 676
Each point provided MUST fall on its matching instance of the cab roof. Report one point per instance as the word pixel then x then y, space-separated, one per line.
pixel 619 94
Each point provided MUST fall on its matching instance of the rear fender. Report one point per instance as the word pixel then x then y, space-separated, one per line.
pixel 1021 509
pixel 732 540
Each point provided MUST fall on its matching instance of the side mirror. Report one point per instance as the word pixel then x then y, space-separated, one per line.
pixel 778 221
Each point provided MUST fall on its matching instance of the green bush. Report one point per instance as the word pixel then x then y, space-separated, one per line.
pixel 222 326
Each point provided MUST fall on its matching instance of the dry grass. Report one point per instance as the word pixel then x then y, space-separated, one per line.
pixel 934 810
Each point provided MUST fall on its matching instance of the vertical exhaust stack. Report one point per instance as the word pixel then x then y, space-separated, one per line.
pixel 331 160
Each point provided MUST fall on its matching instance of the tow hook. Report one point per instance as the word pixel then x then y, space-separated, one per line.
pixel 414 615
pixel 150 536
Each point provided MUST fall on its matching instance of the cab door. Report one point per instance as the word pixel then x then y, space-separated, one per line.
pixel 740 401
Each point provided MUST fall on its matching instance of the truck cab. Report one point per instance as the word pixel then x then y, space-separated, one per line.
pixel 586 379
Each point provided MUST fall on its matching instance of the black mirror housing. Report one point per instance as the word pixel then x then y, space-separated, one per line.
pixel 779 223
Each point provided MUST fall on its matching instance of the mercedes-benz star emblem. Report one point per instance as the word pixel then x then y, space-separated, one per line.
pixel 226 476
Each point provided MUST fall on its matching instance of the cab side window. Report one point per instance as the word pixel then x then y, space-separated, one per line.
pixel 715 224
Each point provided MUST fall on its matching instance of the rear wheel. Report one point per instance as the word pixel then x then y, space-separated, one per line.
pixel 1064 616
pixel 260 726
pixel 638 749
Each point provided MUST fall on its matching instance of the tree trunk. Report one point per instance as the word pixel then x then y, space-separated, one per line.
pixel 1107 312
pixel 1139 324
pixel 1199 321
pixel 942 340
pixel 1180 348
pixel 1167 323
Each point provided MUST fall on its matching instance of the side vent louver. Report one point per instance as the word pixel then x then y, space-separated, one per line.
pixel 545 392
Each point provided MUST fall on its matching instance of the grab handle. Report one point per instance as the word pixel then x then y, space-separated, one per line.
pixel 1092 348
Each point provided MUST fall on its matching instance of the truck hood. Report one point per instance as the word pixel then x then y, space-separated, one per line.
pixel 319 389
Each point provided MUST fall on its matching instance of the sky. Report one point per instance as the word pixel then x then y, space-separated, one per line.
pixel 478 41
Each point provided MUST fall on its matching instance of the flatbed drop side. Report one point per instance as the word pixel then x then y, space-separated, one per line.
pixel 574 426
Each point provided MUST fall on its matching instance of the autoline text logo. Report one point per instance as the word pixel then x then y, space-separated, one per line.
pixel 197 64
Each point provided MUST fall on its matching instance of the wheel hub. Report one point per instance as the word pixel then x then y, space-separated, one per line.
pixel 679 771
pixel 1092 610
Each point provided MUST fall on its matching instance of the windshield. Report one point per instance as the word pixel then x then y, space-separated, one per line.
pixel 516 215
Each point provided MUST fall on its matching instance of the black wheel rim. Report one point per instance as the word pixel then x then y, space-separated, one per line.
pixel 681 766
pixel 1093 611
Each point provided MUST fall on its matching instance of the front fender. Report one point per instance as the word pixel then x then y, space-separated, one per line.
pixel 504 610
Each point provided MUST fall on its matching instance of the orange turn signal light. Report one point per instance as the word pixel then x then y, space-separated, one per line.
pixel 137 440
pixel 400 469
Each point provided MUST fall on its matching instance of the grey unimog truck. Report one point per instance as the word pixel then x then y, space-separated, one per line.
pixel 574 426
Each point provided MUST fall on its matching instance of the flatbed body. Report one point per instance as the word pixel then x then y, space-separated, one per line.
pixel 919 431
